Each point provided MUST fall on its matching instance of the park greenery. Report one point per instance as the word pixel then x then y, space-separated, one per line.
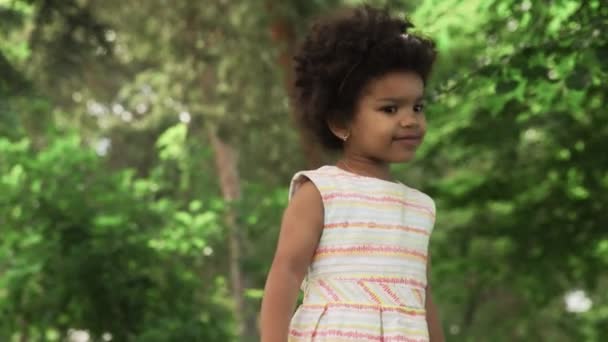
pixel 146 148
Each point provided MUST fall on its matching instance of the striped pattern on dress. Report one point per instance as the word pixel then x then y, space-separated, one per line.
pixel 367 278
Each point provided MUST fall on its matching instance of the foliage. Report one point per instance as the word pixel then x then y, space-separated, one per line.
pixel 117 229
pixel 81 247
pixel 516 162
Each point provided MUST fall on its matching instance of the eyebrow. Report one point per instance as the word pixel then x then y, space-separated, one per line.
pixel 401 99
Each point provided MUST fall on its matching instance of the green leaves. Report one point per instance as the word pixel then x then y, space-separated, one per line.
pixel 171 143
pixel 520 162
pixel 188 233
pixel 93 246
pixel 133 243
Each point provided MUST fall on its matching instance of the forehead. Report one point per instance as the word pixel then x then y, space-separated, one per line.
pixel 395 84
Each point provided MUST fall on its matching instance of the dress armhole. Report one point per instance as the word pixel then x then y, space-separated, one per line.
pixel 304 176
pixel 320 183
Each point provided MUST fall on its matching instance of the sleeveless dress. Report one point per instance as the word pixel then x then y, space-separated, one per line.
pixel 367 278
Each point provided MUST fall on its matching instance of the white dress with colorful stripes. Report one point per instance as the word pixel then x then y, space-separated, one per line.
pixel 367 279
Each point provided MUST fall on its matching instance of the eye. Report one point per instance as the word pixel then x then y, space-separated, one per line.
pixel 419 108
pixel 390 109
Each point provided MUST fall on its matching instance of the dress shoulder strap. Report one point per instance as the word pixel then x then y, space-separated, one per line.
pixel 323 179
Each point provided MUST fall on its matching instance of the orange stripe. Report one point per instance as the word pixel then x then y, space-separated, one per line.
pixel 419 295
pixel 369 292
pixel 354 203
pixel 391 293
pixel 329 290
pixel 376 226
pixel 394 280
pixel 363 306
pixel 364 249
pixel 352 334
pixel 383 199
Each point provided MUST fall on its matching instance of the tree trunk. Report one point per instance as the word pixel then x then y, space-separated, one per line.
pixel 25 331
pixel 283 34
pixel 226 161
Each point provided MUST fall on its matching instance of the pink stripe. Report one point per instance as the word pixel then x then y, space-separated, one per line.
pixel 346 224
pixel 369 307
pixel 376 199
pixel 404 281
pixel 352 334
pixel 329 290
pixel 419 295
pixel 367 248
pixel 369 292
pixel 391 293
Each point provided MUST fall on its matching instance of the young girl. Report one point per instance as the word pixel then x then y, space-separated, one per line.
pixel 353 238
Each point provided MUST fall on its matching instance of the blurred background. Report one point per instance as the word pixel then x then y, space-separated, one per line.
pixel 146 148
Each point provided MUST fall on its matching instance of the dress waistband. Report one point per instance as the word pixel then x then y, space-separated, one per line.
pixel 383 292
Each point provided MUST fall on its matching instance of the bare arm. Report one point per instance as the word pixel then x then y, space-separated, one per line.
pixel 300 231
pixel 432 316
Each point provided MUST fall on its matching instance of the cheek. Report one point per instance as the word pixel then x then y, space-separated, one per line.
pixel 422 123
pixel 381 128
pixel 371 124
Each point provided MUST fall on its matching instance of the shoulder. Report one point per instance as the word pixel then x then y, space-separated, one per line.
pixel 422 199
pixel 322 179
pixel 306 191
pixel 305 206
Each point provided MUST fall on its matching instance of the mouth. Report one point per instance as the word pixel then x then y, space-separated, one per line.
pixel 408 140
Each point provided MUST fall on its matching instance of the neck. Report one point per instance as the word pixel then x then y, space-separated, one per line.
pixel 365 167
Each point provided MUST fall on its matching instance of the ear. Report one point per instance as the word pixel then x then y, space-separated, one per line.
pixel 340 129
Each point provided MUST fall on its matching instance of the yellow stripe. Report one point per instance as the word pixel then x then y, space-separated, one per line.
pixel 333 339
pixel 365 276
pixel 368 253
pixel 356 238
pixel 380 199
pixel 367 204
pixel 375 328
pixel 317 290
pixel 374 294
pixel 398 195
pixel 378 226
pixel 341 294
pixel 330 188
pixel 320 306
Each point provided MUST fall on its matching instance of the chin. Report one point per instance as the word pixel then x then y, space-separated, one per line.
pixel 403 157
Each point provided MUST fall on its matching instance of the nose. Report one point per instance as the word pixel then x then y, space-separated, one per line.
pixel 408 120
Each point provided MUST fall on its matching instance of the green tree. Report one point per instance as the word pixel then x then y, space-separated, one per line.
pixel 186 106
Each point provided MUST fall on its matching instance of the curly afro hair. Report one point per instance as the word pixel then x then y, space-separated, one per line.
pixel 339 57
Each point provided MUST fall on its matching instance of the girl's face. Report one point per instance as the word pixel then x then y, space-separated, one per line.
pixel 389 122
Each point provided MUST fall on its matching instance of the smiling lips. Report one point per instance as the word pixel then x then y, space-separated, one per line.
pixel 409 140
